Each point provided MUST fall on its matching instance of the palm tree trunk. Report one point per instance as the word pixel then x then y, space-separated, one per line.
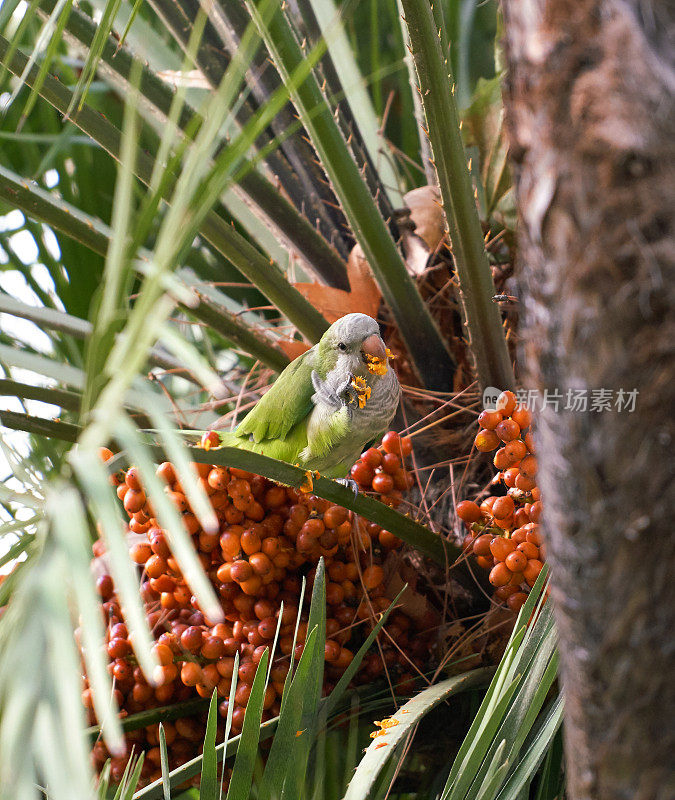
pixel 589 99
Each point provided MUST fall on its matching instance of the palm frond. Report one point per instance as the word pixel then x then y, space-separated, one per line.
pixel 427 349
pixel 482 316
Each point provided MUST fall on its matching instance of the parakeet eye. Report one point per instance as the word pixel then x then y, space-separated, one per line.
pixel 342 346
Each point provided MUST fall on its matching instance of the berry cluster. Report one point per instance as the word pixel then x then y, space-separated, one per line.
pixel 269 537
pixel 504 530
pixel 384 473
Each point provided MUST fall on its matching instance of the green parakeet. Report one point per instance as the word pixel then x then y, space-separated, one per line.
pixel 327 404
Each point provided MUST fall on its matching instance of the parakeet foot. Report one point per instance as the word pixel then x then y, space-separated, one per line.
pixel 350 484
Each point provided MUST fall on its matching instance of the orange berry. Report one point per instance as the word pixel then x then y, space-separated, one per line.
pixel 230 543
pixel 165 472
pixel 403 480
pixel 507 430
pixel 164 674
pixel 406 445
pixel 516 561
pixel 503 507
pixel 533 536
pixel 332 650
pixel 192 638
pixel 486 562
pixel 267 627
pixel 372 457
pixel 486 441
pixel 155 566
pixel 516 601
pixel 178 499
pixel 213 648
pixel 191 674
pixel 252 586
pixel 501 459
pixel 489 419
pixel 500 575
pixel 261 564
pixel 535 511
pixel 105 454
pixel 335 516
pixel 362 473
pixel 133 479
pixel 241 571
pixel 529 550
pixel 274 497
pixel 134 501
pixel 158 543
pixel 140 552
pixel 522 416
pixel 510 475
pixel 335 594
pixel 225 666
pixel 515 450
pixel 481 545
pixel 250 542
pixel 506 403
pixel 520 518
pixel 313 528
pixel 524 483
pixel 382 482
pixel 391 463
pixel 391 443
pixel 505 523
pixel 504 592
pixel 344 659
pixel 501 547
pixel 468 511
pixel 218 479
pixel 528 466
pixel 372 577
pixel 532 570
pixel 388 540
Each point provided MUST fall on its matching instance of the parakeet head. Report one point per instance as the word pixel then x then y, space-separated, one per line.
pixel 353 344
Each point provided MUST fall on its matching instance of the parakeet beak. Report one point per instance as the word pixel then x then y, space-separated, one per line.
pixel 373 346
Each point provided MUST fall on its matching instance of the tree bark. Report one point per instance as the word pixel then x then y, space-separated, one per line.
pixel 589 98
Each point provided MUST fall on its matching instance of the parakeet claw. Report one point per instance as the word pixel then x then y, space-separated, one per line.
pixel 342 396
pixel 350 484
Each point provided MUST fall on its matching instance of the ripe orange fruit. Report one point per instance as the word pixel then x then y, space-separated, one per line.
pixel 506 403
pixel 486 441
pixel 503 507
pixel 468 511
pixel 500 575
pixel 489 419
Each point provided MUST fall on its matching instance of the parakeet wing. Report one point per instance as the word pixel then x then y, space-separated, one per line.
pixel 284 405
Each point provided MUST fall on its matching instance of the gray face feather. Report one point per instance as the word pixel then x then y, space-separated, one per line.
pixel 352 329
pixel 341 344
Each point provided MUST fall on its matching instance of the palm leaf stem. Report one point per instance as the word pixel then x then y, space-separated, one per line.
pixel 18 421
pixel 482 316
pixel 339 95
pixel 70 401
